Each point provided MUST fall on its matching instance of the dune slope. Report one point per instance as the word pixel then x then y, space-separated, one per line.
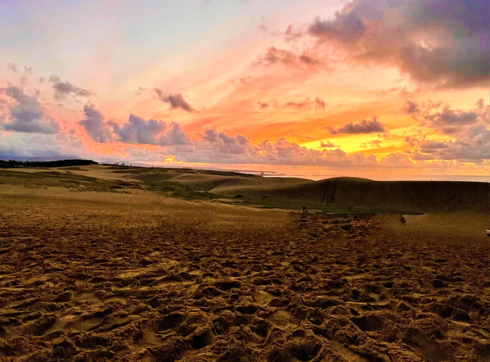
pixel 392 196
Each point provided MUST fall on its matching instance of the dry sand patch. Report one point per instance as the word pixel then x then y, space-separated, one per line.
pixel 139 277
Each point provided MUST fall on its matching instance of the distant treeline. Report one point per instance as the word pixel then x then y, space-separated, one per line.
pixel 60 163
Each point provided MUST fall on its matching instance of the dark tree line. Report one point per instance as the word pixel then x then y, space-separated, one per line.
pixel 60 163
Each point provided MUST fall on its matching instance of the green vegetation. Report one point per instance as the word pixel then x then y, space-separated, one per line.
pixel 60 179
pixel 266 203
pixel 176 189
pixel 73 168
pixel 162 181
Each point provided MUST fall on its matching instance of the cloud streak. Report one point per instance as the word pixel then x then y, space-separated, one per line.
pixel 62 89
pixel 274 56
pixel 363 127
pixel 307 103
pixel 175 100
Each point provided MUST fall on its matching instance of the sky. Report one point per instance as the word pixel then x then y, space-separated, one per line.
pixel 383 89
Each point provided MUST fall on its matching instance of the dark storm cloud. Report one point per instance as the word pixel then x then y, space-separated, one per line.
pixel 27 114
pixel 365 126
pixel 441 42
pixel 62 89
pixel 175 100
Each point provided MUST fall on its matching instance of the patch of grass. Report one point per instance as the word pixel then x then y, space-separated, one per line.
pixel 266 203
pixel 124 183
pixel 159 180
pixel 157 170
pixel 73 168
pixel 177 189
pixel 59 179
pixel 225 173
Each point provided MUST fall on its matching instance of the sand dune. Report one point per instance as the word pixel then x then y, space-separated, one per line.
pixel 392 196
pixel 94 273
pixel 384 196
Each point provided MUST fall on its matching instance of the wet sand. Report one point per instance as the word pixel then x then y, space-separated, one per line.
pixel 139 277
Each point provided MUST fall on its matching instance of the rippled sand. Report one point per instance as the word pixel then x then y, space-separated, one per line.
pixel 138 277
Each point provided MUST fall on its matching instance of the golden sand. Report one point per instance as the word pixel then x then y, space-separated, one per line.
pixel 94 276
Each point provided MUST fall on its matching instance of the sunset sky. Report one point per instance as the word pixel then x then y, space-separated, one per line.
pixel 368 88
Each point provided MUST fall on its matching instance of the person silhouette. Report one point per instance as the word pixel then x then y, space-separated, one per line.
pixel 488 231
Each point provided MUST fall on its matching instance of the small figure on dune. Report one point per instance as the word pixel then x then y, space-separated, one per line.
pixel 403 220
pixel 304 210
pixel 488 231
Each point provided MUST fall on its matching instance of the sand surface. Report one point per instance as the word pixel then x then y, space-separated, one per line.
pixel 95 276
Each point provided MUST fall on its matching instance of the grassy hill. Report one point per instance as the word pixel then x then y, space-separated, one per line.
pixel 336 195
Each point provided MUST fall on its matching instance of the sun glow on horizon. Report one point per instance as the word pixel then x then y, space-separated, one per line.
pixel 269 85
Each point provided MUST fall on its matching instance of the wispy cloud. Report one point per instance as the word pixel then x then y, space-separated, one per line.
pixel 62 89
pixel 274 56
